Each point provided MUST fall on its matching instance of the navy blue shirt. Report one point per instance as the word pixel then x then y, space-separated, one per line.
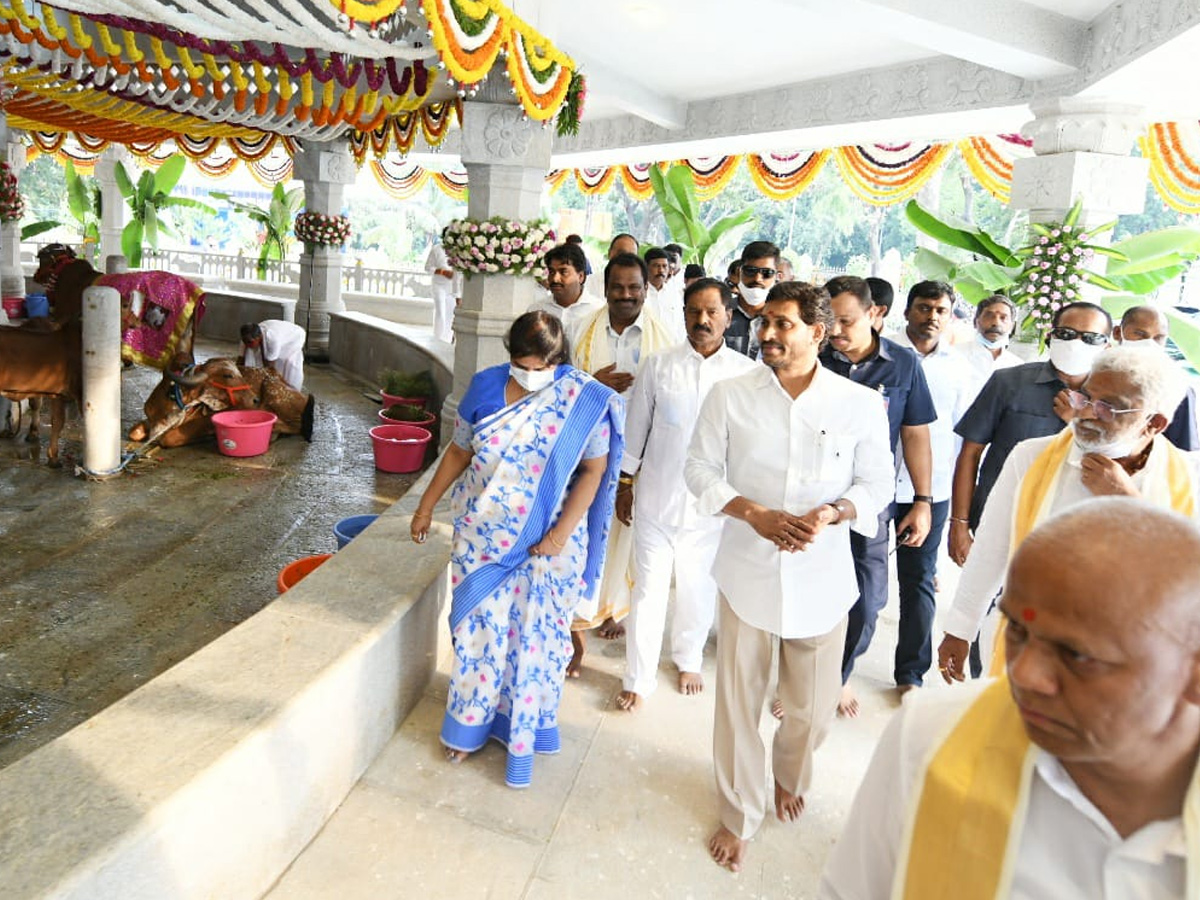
pixel 896 373
pixel 1182 430
pixel 1016 404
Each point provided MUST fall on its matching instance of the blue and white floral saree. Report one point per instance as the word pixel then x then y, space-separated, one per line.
pixel 510 616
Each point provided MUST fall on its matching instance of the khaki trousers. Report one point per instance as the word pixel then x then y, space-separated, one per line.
pixel 810 685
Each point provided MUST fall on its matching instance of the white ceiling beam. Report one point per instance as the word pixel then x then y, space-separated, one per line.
pixel 629 94
pixel 1007 35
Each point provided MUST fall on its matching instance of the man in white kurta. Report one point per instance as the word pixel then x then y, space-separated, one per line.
pixel 1128 456
pixel 995 320
pixel 794 456
pixel 275 343
pixel 569 301
pixel 669 534
pixel 664 297
pixel 442 282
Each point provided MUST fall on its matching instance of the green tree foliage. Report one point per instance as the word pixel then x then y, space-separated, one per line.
pixel 148 200
pixel 274 221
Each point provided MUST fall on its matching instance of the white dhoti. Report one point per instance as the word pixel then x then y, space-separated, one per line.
pixel 658 551
pixel 443 310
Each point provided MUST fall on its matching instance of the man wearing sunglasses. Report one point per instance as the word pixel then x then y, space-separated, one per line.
pixel 1017 404
pixel 756 276
pixel 1113 447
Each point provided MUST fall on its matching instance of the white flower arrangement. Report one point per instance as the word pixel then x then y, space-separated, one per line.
pixel 497 246
pixel 320 228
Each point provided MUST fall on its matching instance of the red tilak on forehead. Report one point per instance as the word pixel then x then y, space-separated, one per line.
pixel 1028 614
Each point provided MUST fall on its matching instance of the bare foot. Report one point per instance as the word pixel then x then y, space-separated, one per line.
pixel 690 683
pixel 610 630
pixel 629 701
pixel 848 705
pixel 727 849
pixel 455 756
pixel 579 645
pixel 777 709
pixel 787 806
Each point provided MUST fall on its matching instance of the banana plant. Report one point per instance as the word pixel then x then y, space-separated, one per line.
pixel 276 221
pixel 148 200
pixel 676 196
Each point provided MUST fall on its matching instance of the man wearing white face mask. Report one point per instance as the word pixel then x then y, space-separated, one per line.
pixel 1114 447
pixel 995 321
pixel 1015 405
pixel 1145 328
pixel 756 276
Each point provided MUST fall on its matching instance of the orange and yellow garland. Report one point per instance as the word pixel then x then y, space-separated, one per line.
pixel 1174 170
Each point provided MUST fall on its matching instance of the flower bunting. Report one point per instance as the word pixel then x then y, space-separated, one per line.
pixel 12 204
pixel 497 246
pixel 323 229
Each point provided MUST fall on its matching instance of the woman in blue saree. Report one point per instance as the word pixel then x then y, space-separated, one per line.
pixel 536 452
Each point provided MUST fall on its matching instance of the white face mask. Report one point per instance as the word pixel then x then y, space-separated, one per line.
pixel 1073 357
pixel 754 296
pixel 1118 449
pixel 1144 344
pixel 998 344
pixel 532 381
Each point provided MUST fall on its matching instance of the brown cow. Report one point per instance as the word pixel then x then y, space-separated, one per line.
pixel 43 360
pixel 179 409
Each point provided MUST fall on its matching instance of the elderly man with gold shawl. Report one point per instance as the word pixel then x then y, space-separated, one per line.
pixel 1114 446
pixel 1075 776
pixel 611 345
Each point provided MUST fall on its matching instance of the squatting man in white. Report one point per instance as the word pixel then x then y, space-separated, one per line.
pixel 668 533
pixel 794 456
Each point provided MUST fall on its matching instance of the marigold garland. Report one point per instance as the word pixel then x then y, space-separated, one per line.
pixel 779 178
pixel 712 174
pixel 1171 165
pixel 882 183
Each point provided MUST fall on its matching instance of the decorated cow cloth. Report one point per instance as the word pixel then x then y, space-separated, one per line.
pixel 153 323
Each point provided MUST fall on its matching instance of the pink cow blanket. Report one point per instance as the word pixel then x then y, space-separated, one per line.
pixel 156 309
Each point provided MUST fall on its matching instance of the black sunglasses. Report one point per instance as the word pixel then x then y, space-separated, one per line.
pixel 758 270
pixel 1091 338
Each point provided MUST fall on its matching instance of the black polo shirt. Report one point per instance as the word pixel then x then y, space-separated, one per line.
pixel 896 373
pixel 1016 404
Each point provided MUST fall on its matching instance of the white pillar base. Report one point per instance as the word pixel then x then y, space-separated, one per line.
pixel 101 381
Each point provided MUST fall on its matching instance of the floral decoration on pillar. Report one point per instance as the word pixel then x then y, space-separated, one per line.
pixel 12 204
pixel 497 246
pixel 321 229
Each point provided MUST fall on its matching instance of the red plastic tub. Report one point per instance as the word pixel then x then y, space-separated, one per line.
pixel 399 448
pixel 293 573
pixel 244 432
pixel 14 308
pixel 393 399
pixel 426 423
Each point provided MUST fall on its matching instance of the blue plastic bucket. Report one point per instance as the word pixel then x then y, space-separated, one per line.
pixel 348 529
pixel 37 306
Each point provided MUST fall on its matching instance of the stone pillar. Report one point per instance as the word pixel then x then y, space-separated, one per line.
pixel 506 157
pixel 112 204
pixel 1082 150
pixel 325 169
pixel 12 278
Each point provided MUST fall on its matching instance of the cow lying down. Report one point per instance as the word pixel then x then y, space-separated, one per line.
pixel 179 409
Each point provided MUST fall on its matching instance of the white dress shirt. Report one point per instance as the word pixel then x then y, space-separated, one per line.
pixel 753 440
pixel 950 384
pixel 667 306
pixel 987 563
pixel 983 364
pixel 572 315
pixel 1067 851
pixel 659 421
pixel 625 349
pixel 437 259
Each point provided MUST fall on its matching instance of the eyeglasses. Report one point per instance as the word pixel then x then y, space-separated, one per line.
pixel 1101 410
pixel 751 271
pixel 1091 338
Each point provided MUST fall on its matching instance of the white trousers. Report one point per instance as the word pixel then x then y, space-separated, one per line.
pixel 291 368
pixel 443 313
pixel 658 550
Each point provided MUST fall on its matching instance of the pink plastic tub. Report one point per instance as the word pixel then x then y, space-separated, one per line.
pixel 244 432
pixel 393 399
pixel 14 308
pixel 399 448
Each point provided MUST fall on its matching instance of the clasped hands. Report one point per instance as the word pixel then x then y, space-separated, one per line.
pixel 789 532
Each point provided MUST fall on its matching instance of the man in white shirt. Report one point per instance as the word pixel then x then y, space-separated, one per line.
pixel 1076 777
pixel 926 314
pixel 566 278
pixel 277 344
pixel 669 534
pixel 1113 445
pixel 611 345
pixel 995 321
pixel 664 297
pixel 794 456
pixel 442 280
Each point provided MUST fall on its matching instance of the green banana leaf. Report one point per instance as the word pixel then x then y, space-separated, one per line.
pixel 989 275
pixel 1185 332
pixel 37 228
pixel 169 173
pixel 933 265
pixel 131 243
pixel 965 237
pixel 124 184
pixel 1164 247
pixel 1145 282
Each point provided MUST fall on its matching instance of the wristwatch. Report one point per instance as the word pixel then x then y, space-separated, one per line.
pixel 922 498
pixel 842 509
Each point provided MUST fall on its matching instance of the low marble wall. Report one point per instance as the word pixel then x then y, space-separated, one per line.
pixel 210 779
pixel 363 345
pixel 226 311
